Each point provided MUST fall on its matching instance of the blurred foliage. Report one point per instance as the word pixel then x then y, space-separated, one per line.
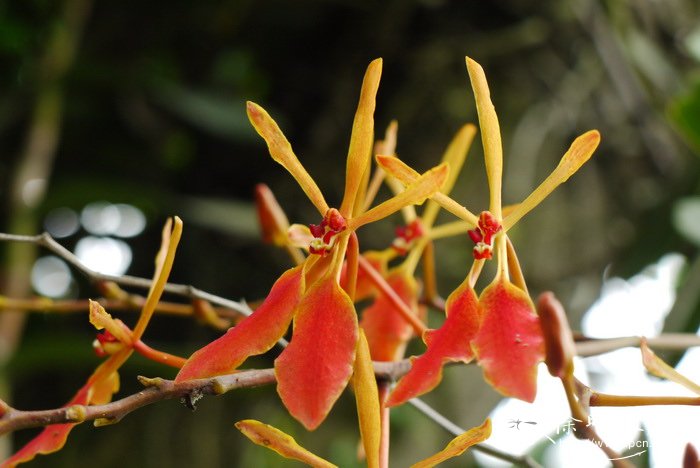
pixel 154 116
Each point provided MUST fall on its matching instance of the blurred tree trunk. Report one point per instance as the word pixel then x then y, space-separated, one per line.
pixel 31 175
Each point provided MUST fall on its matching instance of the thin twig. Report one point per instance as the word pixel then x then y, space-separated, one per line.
pixel 132 304
pixel 158 389
pixel 45 240
pixel 666 341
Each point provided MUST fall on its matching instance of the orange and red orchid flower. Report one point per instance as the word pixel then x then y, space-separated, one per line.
pixel 500 328
pixel 316 366
pixel 104 381
pixel 387 328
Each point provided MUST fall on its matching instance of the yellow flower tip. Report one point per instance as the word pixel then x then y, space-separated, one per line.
pixel 472 65
pixel 477 76
pixel 442 172
pixel 376 64
pixel 253 110
pixel 587 142
pixel 256 115
pixel 397 168
pixel 581 150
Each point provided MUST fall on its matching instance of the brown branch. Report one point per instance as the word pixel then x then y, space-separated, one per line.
pixel 666 341
pixel 190 391
pixel 604 399
pixel 133 303
pixel 156 390
pixel 46 241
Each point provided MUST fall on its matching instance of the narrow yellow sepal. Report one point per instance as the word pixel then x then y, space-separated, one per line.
pixel 103 389
pixel 385 146
pixel 455 155
pixel 284 444
pixel 367 397
pixel 580 151
pixel 281 151
pixel 407 175
pixel 458 445
pixel 101 319
pixel 416 193
pixel 490 134
pixel 362 138
pixel 170 238
pixel 659 368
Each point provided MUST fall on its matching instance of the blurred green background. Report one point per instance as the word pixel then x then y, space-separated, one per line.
pixel 143 104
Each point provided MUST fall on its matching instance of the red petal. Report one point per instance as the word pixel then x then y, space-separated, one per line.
pixel 450 342
pixel 254 335
pixel 51 439
pixel 386 329
pixel 316 366
pixel 95 391
pixel 509 344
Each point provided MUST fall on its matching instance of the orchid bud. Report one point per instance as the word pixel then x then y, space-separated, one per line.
pixel 558 340
pixel 273 221
pixel 690 457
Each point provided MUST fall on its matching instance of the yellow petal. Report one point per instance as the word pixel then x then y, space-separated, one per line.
pixel 386 146
pixel 490 134
pixel 458 445
pixel 455 155
pixel 659 368
pixel 164 263
pixel 281 151
pixel 407 175
pixel 580 151
pixel 100 319
pixel 416 193
pixel 362 138
pixel 101 393
pixel 284 444
pixel 367 398
pixel 271 217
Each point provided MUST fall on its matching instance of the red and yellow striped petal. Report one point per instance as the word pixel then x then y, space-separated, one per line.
pixel 509 344
pixel 254 335
pixel 317 365
pixel 449 343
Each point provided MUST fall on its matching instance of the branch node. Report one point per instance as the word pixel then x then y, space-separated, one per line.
pixel 147 382
pixel 76 413
pixel 218 387
pixel 101 422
